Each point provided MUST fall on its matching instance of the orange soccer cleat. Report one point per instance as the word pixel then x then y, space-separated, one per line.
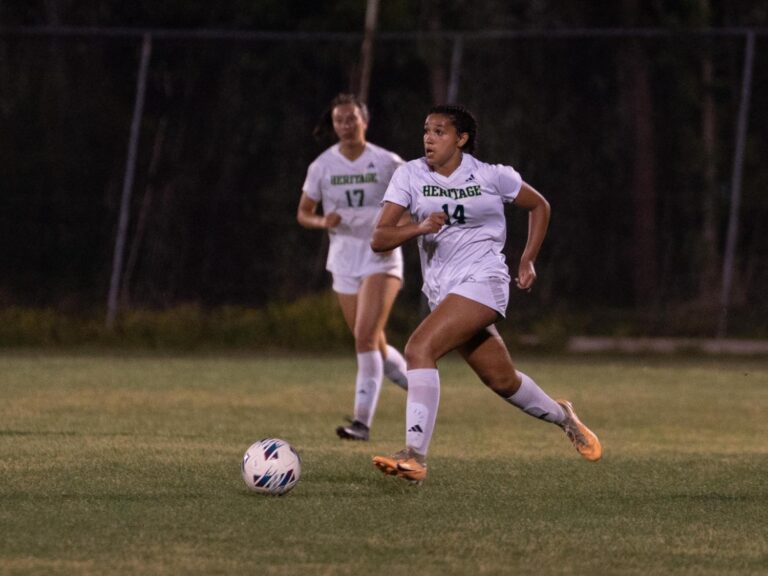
pixel 404 464
pixel 583 439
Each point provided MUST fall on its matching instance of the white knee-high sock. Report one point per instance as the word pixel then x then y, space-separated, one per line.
pixel 395 367
pixel 534 401
pixel 370 371
pixel 421 411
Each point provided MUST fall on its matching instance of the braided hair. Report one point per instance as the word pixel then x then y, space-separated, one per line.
pixel 462 119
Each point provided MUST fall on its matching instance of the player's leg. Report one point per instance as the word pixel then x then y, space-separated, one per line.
pixel 348 305
pixel 395 368
pixel 453 322
pixel 373 304
pixel 369 365
pixel 376 297
pixel 488 356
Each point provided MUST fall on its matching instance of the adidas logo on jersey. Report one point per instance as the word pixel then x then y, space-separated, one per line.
pixel 471 178
pixel 371 165
pixel 415 428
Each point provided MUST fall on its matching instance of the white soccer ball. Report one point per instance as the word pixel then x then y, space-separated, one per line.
pixel 271 466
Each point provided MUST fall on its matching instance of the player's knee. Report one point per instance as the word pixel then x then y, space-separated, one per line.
pixel 504 384
pixel 418 354
pixel 365 340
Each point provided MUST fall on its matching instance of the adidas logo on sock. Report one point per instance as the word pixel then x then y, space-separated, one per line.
pixel 416 428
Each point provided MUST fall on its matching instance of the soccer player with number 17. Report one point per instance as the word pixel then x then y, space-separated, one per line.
pixel 349 180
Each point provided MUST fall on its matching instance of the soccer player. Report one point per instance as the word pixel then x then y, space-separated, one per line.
pixel 457 208
pixel 349 180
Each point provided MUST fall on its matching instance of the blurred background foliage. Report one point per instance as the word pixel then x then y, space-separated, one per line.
pixel 630 137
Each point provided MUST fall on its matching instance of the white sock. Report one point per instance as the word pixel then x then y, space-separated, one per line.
pixel 370 371
pixel 395 367
pixel 534 401
pixel 421 411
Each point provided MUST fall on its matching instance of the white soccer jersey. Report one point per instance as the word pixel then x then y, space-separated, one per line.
pixel 470 246
pixel 354 190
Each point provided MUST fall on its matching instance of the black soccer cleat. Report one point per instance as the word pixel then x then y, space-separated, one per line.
pixel 354 431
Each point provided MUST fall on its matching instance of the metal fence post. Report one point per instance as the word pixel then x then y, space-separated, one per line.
pixel 130 169
pixel 456 58
pixel 738 168
pixel 366 52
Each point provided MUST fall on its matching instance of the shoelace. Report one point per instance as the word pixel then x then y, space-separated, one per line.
pixel 403 454
pixel 574 434
pixel 406 454
pixel 355 425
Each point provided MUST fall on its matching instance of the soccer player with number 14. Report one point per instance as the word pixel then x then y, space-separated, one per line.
pixel 456 203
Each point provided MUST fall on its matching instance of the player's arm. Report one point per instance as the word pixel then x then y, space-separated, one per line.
pixel 538 222
pixel 307 215
pixel 392 229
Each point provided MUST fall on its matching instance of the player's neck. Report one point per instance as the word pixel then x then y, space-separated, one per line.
pixel 352 150
pixel 449 166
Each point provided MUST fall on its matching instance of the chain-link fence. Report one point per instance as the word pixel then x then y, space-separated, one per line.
pixel 631 135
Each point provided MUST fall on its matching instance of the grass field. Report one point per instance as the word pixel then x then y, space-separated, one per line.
pixel 130 465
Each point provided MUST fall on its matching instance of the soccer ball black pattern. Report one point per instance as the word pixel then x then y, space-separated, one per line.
pixel 271 466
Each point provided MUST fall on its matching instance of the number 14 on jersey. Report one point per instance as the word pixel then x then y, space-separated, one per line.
pixel 458 214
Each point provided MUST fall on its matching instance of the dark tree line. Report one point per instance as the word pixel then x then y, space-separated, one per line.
pixel 630 137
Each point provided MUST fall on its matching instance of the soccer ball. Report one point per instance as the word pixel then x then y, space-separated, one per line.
pixel 271 466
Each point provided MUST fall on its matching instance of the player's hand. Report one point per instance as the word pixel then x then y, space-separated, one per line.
pixel 432 223
pixel 331 220
pixel 526 275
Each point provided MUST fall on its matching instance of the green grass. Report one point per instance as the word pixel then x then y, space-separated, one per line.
pixel 130 465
